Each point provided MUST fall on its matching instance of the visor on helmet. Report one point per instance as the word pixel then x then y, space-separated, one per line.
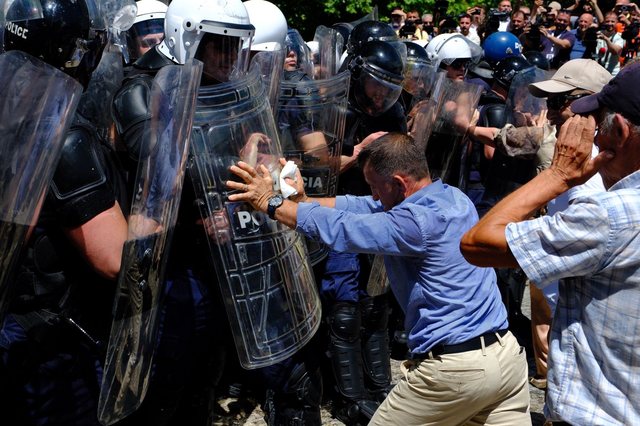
pixel 222 56
pixel 22 10
pixel 375 93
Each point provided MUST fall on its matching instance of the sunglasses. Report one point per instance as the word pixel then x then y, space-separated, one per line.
pixel 556 102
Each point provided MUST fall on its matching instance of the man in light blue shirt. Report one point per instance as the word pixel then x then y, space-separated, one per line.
pixel 592 247
pixel 465 366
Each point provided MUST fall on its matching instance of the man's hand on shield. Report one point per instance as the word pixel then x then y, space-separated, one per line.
pixel 257 188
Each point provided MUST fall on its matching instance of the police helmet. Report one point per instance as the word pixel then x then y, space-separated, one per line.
pixel 376 77
pixel 62 33
pixel 149 20
pixel 500 45
pixel 190 26
pixel 418 72
pixel 368 31
pixel 296 44
pixel 270 24
pixel 508 68
pixel 538 59
pixel 444 49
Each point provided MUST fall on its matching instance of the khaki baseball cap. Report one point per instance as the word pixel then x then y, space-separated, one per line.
pixel 585 74
pixel 554 5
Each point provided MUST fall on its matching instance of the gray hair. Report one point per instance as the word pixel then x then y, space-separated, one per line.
pixel 606 124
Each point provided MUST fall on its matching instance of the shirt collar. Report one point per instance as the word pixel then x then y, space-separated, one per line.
pixel 629 181
pixel 434 187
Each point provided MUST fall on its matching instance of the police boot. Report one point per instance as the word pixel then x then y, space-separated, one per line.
pixel 298 402
pixel 375 346
pixel 345 351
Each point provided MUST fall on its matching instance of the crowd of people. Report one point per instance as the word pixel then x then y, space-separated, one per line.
pixel 198 203
pixel 607 32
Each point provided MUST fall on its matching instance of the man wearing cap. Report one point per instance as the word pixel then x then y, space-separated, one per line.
pixel 575 79
pixel 592 247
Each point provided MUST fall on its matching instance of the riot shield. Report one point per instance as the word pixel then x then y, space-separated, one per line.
pixel 270 64
pixel 262 266
pixel 330 48
pixel 426 89
pixel 37 106
pixel 527 114
pixel 95 104
pixel 456 105
pixel 295 43
pixel 311 120
pixel 154 211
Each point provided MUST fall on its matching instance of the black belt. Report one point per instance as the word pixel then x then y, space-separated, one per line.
pixel 469 345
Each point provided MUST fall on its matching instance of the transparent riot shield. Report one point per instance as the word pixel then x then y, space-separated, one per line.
pixel 270 64
pixel 311 120
pixel 262 266
pixel 456 105
pixel 426 88
pixel 295 43
pixel 527 115
pixel 95 104
pixel 154 211
pixel 37 105
pixel 330 48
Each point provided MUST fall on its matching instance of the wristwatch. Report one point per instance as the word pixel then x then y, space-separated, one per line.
pixel 274 202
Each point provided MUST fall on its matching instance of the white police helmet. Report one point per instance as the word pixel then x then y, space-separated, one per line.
pixel 188 21
pixel 270 25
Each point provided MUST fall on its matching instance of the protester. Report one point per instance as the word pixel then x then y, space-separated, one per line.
pixel 456 322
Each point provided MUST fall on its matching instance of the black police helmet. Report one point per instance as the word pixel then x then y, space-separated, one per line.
pixel 538 59
pixel 376 77
pixel 415 51
pixel 380 58
pixel 61 37
pixel 367 31
pixel 507 68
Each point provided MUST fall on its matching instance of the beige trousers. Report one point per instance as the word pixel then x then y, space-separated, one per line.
pixel 483 387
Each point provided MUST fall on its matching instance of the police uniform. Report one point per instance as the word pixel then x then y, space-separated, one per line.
pixel 52 341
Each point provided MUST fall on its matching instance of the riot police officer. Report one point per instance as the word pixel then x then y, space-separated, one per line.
pixel 194 341
pixel 50 350
pixel 358 323
pixel 501 174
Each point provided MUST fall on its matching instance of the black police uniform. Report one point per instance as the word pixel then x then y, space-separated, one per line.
pixel 52 341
